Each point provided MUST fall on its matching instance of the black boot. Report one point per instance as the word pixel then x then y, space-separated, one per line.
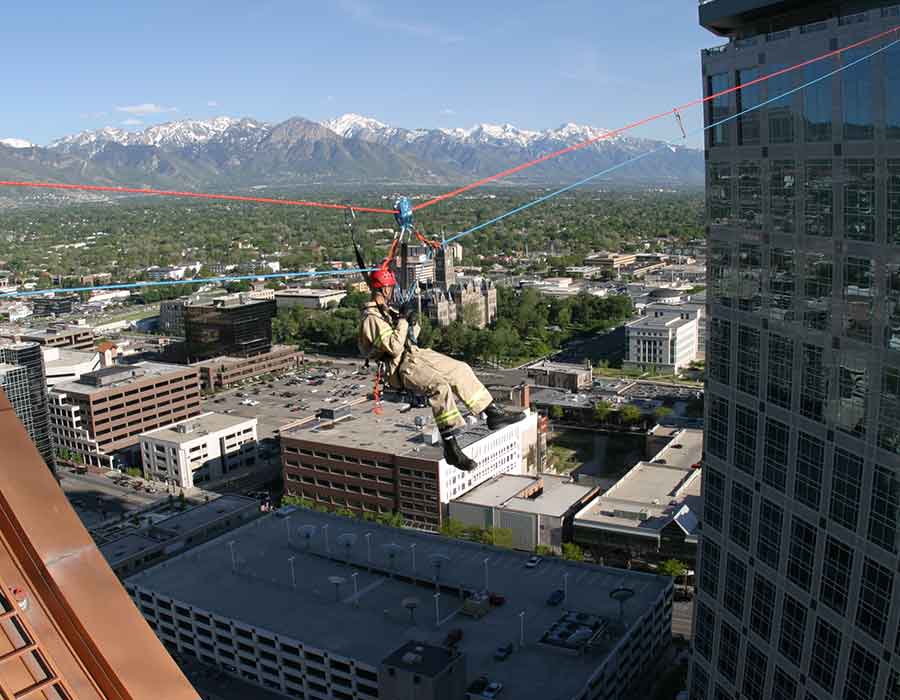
pixel 498 418
pixel 454 455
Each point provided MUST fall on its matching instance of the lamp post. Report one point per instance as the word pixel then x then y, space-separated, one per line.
pixel 233 558
pixel 369 546
pixel 522 629
pixel 325 533
pixel 566 586
pixel 412 549
pixel 486 586
pixel 293 576
pixel 355 577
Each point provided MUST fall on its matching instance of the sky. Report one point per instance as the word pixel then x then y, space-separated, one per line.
pixel 537 65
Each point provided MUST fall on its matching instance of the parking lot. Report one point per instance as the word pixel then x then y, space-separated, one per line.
pixel 294 395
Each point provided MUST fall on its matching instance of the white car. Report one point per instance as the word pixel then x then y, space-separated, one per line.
pixel 533 561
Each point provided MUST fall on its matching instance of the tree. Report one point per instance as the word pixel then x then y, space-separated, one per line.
pixel 556 412
pixel 661 413
pixel 572 552
pixel 453 528
pixel 673 568
pixel 601 411
pixel 543 550
pixel 630 413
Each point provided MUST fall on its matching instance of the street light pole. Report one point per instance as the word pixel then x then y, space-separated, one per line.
pixel 325 533
pixel 437 608
pixel 522 629
pixel 355 577
pixel 486 586
pixel 233 560
pixel 566 586
pixel 412 549
pixel 369 546
pixel 293 577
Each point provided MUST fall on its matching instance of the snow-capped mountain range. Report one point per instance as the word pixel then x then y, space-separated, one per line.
pixel 348 149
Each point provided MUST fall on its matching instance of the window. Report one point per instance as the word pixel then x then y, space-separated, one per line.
pixel 699 683
pixel 781 111
pixel 717 428
pixel 802 552
pixel 813 382
pixel 749 277
pixel 782 283
pixel 776 454
pixel 874 607
pixel 893 689
pixel 706 629
pixel 892 301
pixel 793 628
pixel 721 693
pixel 719 108
pixel 745 424
pixel 714 498
pixel 862 674
pixel 780 372
pixel 735 583
pixel 853 390
pixel 859 298
pixel 719 350
pixel 748 98
pixel 846 479
pixel 720 273
pixel 819 199
pixel 885 511
pixel 825 653
pixel 741 514
pixel 858 96
pixel 748 360
pixel 818 276
pixel 784 687
pixel 709 567
pixel 720 193
pixel 836 570
pixel 768 543
pixel 729 647
pixel 889 416
pixel 755 665
pixel 859 200
pixel 817 101
pixel 810 463
pixel 749 194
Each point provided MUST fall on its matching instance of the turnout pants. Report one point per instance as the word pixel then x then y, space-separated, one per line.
pixel 439 377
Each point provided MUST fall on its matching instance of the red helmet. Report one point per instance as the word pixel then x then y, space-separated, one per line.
pixel 382 278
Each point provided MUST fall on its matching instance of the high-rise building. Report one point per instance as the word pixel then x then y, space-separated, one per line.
pixel 236 326
pixel 37 423
pixel 55 304
pixel 798 576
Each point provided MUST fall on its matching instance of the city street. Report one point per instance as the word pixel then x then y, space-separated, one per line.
pixel 683 619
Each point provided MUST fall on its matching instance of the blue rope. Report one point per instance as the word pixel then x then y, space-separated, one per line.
pixel 667 144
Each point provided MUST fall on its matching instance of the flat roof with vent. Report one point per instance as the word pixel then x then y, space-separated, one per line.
pixel 198 427
pixel 395 603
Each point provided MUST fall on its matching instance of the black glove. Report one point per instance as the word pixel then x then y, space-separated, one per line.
pixel 410 312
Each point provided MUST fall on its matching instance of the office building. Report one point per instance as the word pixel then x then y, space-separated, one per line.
pixel 101 416
pixel 235 326
pixel 14 383
pixel 171 316
pixel 69 630
pixel 54 305
pixel 667 343
pixel 393 461
pixel 798 556
pixel 199 450
pixel 686 310
pixel 28 356
pixel 537 510
pixel 54 336
pixel 315 606
pixel 223 372
pixel 561 375
pixel 309 298
pixel 62 364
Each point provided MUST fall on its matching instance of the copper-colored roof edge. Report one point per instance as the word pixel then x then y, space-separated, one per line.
pixel 71 580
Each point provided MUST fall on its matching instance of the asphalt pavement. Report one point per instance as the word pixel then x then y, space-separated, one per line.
pixel 683 619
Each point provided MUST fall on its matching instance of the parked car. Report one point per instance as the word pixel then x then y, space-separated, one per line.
pixel 502 653
pixel 497 599
pixel 683 595
pixel 533 561
pixel 493 690
pixel 557 597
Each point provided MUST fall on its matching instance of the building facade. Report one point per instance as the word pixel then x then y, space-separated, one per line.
pixel 105 412
pixel 171 316
pixel 223 372
pixel 668 343
pixel 55 305
pixel 236 326
pixel 560 375
pixel 199 450
pixel 309 298
pixel 28 356
pixel 798 565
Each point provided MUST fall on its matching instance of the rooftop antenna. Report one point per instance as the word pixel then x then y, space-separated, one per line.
pixel 337 582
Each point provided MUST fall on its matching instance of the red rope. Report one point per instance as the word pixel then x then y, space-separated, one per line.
pixel 647 120
pixel 195 195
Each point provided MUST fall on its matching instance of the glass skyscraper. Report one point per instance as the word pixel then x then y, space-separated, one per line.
pixel 798 574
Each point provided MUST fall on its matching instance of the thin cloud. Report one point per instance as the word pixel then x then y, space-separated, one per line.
pixel 363 12
pixel 212 103
pixel 142 110
pixel 132 122
pixel 448 112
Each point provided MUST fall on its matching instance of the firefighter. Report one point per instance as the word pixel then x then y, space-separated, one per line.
pixel 388 337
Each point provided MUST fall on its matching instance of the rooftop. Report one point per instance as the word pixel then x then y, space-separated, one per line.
pixel 309 292
pixel 558 496
pixel 550 366
pixel 197 427
pixel 229 360
pixel 332 561
pixel 126 373
pixel 660 322
pixel 653 494
pixel 730 17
